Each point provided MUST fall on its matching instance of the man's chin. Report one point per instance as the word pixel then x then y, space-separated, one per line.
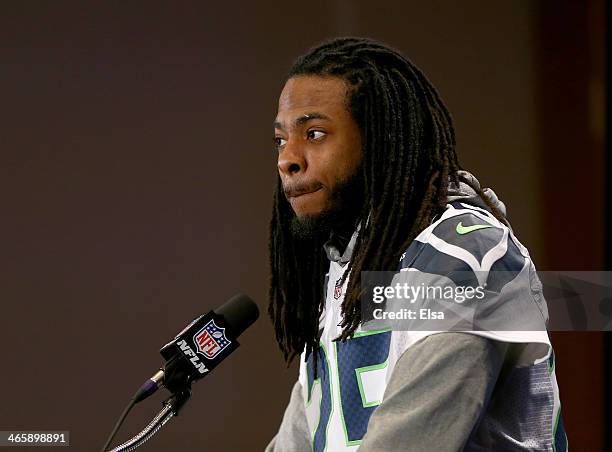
pixel 312 226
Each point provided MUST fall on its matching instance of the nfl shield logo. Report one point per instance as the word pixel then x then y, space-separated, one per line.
pixel 338 289
pixel 211 340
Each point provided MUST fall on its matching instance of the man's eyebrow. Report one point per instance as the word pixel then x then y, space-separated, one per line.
pixel 302 119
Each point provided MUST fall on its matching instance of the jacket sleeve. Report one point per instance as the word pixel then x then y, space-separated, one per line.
pixel 436 394
pixel 293 433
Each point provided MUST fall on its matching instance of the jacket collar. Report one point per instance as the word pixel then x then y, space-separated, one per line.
pixel 333 246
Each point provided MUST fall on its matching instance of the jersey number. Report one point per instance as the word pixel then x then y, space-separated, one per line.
pixel 365 352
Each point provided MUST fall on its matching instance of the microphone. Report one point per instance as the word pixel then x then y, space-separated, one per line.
pixel 201 346
pixel 190 356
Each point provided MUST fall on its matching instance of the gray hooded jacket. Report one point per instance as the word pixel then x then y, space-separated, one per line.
pixel 420 390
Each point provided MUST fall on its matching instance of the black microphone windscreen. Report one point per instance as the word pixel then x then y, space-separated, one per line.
pixel 239 313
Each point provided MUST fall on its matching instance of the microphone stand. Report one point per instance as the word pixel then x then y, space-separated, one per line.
pixel 184 366
pixel 171 408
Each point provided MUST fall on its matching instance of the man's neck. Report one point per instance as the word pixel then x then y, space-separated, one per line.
pixel 341 234
pixel 340 240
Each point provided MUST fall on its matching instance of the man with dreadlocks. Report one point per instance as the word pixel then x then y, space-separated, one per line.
pixel 369 181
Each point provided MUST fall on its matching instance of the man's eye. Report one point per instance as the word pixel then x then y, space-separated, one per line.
pixel 279 141
pixel 315 134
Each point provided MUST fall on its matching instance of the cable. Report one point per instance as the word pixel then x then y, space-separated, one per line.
pixel 148 388
pixel 171 407
pixel 119 422
pixel 158 422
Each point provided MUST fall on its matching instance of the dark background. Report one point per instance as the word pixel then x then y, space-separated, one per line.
pixel 137 169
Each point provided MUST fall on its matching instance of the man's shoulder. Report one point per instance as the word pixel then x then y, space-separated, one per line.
pixel 465 238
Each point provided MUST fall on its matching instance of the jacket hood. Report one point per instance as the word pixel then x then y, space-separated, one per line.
pixel 465 193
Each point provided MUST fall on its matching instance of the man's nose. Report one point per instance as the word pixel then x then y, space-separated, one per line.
pixel 291 160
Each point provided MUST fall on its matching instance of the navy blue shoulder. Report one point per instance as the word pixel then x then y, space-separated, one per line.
pixel 470 232
pixel 468 242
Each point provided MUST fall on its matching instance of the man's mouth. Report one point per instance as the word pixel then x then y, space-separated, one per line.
pixel 301 191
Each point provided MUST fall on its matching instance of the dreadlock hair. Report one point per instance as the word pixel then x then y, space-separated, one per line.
pixel 408 146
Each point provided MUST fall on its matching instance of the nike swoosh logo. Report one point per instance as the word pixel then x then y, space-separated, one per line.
pixel 465 229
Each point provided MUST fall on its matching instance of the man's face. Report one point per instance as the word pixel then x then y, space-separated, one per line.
pixel 319 148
